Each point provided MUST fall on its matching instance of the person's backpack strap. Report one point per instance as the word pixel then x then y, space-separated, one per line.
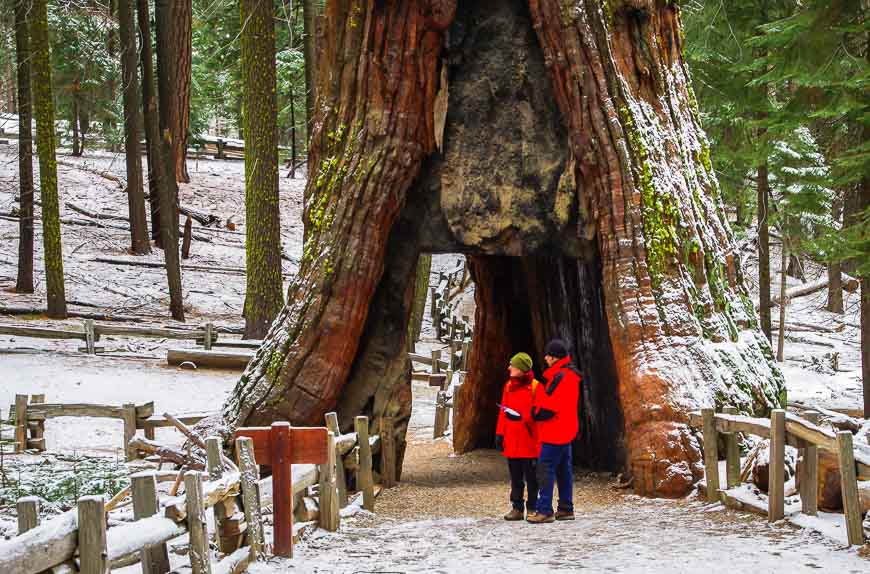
pixel 535 383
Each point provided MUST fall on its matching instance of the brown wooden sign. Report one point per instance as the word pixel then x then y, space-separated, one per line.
pixel 280 446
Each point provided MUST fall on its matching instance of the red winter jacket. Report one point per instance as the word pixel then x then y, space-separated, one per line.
pixel 556 408
pixel 520 437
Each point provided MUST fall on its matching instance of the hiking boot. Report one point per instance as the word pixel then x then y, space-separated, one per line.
pixel 564 515
pixel 514 514
pixel 538 518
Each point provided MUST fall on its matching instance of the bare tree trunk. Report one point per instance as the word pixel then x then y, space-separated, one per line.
pixel 76 144
pixel 139 243
pixel 43 106
pixel 835 269
pixel 764 250
pixel 24 283
pixel 264 298
pixel 174 30
pixel 783 299
pixel 310 11
pixel 421 294
pixel 151 120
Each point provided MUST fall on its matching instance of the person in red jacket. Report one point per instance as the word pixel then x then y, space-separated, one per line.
pixel 555 412
pixel 516 436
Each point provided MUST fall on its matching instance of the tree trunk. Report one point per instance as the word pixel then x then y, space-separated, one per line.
pixel 264 298
pixel 835 269
pixel 783 299
pixel 764 250
pixel 421 295
pixel 45 145
pixel 151 120
pixel 76 144
pixel 174 20
pixel 139 243
pixel 24 283
pixel 310 12
pixel 292 173
pixel 621 245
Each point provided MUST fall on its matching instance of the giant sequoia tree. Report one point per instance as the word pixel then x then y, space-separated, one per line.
pixel 573 172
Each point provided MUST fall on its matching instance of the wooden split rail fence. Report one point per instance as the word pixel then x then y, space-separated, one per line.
pixel 448 287
pixel 91 333
pixel 784 429
pixel 80 541
pixel 29 420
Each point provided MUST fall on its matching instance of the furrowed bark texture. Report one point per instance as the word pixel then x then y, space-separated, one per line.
pixel 263 296
pixel 24 282
pixel 377 82
pixel 45 144
pixel 139 243
pixel 682 326
pixel 174 21
pixel 150 118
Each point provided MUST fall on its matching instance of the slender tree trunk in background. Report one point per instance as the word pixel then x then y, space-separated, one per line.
pixel 139 243
pixel 835 269
pixel 169 229
pixel 865 301
pixel 76 146
pixel 292 173
pixel 24 283
pixel 174 21
pixel 421 294
pixel 264 298
pixel 764 250
pixel 310 11
pixel 151 120
pixel 783 300
pixel 84 115
pixel 44 110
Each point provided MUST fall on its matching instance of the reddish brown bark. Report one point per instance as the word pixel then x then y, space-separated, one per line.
pixel 174 36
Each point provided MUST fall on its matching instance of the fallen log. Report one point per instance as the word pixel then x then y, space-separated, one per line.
pixel 94 214
pixel 197 440
pixel 49 544
pixel 850 284
pixel 210 359
pixel 4 310
pixel 167 452
pixel 203 218
pixel 159 265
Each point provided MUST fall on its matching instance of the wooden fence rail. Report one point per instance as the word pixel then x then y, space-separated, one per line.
pixel 239 533
pixel 786 429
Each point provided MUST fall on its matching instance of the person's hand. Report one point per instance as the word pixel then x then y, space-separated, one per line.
pixel 499 443
pixel 512 416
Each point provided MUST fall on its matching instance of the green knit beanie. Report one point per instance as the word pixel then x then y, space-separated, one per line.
pixel 522 361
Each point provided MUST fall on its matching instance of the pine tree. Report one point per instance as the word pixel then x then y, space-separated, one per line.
pixel 174 31
pixel 264 297
pixel 44 111
pixel 24 283
pixel 139 243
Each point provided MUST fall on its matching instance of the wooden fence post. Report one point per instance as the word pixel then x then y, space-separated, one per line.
pixel 155 559
pixel 810 473
pixel 732 454
pixel 436 364
pixel 20 423
pixel 340 475
pixel 711 454
pixel 849 487
pixel 90 337
pixel 364 478
pixel 441 415
pixel 209 330
pixel 776 480
pixel 388 452
pixel 466 350
pixel 27 509
pixel 226 531
pixel 130 430
pixel 37 429
pixel 200 560
pixel 92 535
pixel 250 475
pixel 329 514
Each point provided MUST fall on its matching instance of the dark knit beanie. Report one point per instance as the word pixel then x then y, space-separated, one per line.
pixel 556 348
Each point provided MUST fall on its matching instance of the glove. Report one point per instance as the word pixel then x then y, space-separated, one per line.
pixel 512 417
pixel 541 414
pixel 499 443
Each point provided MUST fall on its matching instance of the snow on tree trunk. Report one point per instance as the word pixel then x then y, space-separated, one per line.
pixel 43 107
pixel 263 298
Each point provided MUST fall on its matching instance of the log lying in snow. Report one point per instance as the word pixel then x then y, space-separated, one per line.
pixel 850 284
pixel 4 310
pixel 49 544
pixel 94 214
pixel 212 359
pixel 159 265
pixel 166 452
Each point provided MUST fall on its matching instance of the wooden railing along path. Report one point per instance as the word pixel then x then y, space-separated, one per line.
pixel 785 429
pixel 79 540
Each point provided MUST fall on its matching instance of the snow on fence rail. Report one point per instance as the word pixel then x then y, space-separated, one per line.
pixel 29 419
pixel 784 429
pixel 79 540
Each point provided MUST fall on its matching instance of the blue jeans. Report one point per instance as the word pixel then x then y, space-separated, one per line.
pixel 555 467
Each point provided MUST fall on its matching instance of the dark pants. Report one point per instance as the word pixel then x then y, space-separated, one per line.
pixel 523 474
pixel 555 467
